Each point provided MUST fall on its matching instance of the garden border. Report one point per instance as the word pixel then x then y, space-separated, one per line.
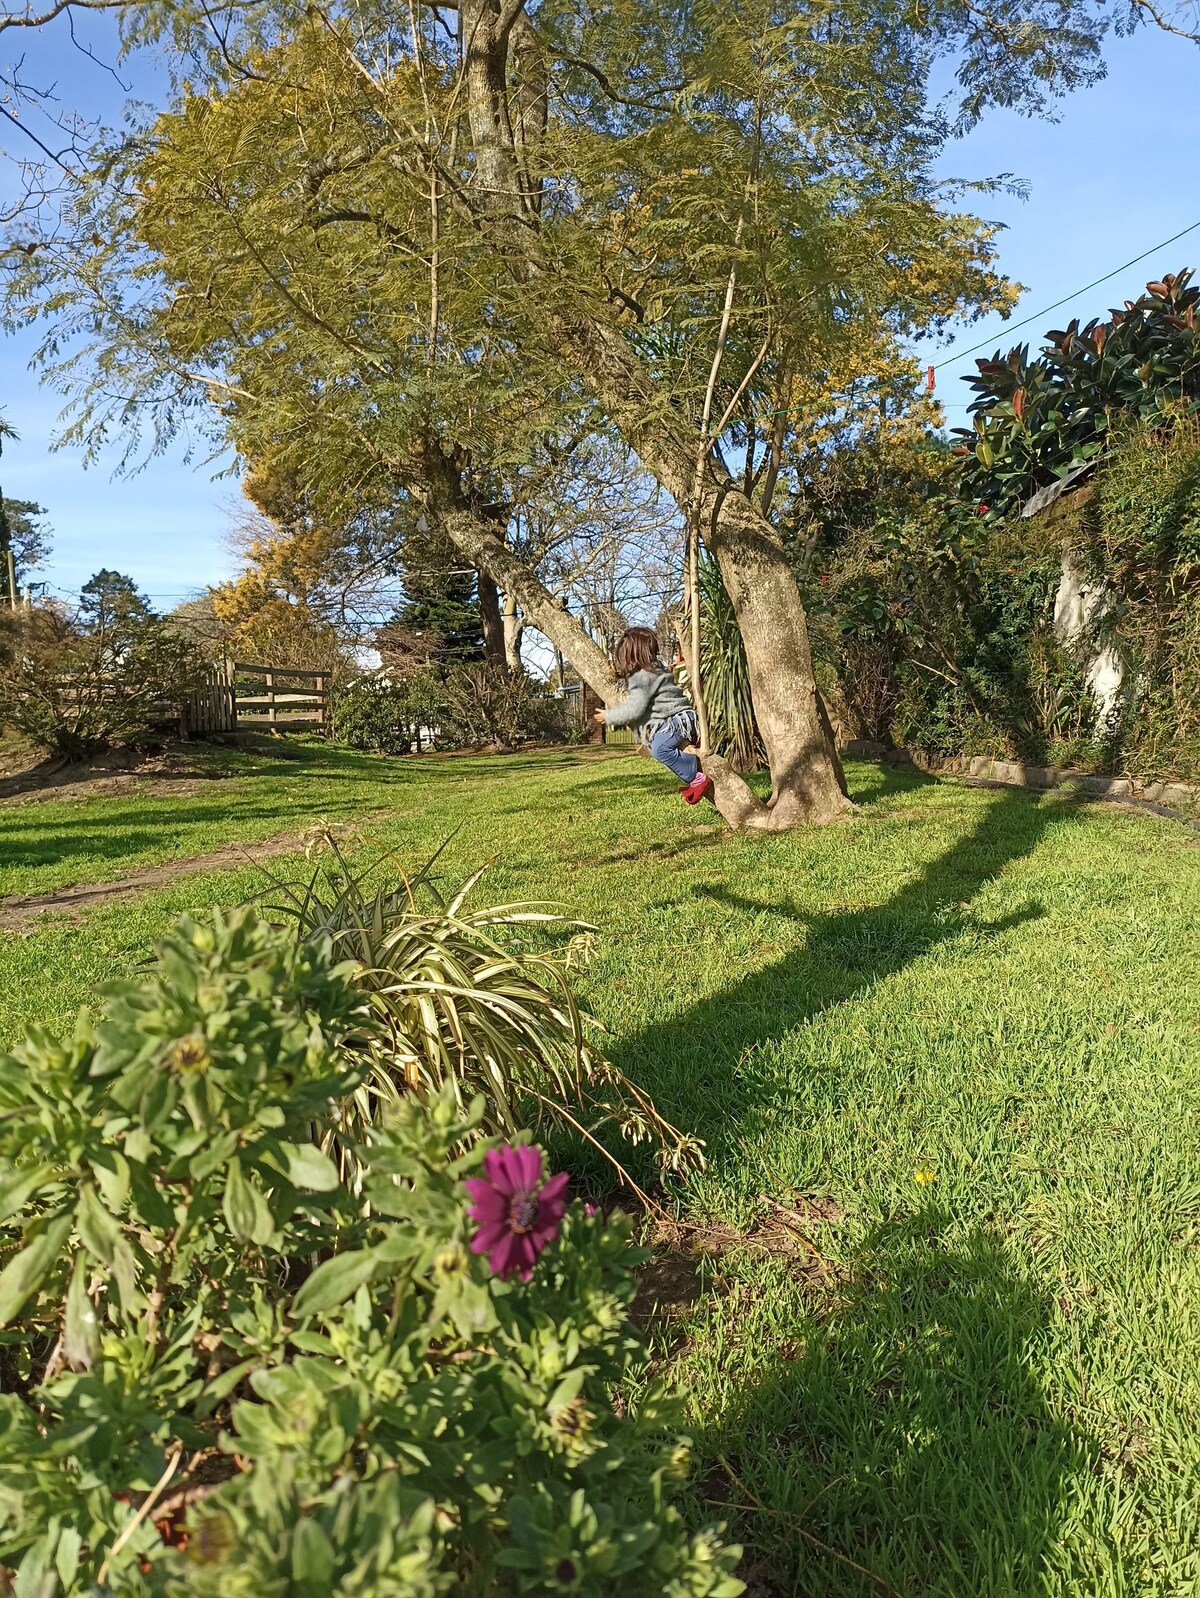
pixel 1179 800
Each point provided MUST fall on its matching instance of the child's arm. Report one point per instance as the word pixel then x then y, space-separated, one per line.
pixel 632 708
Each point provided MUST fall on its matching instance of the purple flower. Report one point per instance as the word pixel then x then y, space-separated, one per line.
pixel 517 1212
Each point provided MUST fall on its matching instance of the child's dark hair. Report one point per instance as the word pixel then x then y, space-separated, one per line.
pixel 637 650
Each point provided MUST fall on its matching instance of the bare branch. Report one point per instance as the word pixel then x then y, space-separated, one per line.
pixel 1160 21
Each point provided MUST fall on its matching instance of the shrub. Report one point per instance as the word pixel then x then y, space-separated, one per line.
pixel 487 706
pixel 80 681
pixel 371 714
pixel 725 676
pixel 224 1374
pixel 458 1001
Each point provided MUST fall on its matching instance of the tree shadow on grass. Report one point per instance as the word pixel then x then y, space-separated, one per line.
pixel 693 1062
pixel 907 1436
pixel 882 782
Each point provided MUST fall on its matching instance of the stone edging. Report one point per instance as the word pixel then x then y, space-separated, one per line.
pixel 1174 796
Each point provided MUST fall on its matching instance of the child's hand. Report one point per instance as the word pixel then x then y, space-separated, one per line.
pixel 598 717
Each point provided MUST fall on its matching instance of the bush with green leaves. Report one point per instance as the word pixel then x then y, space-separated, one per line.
pixel 726 677
pixel 223 1373
pixel 1034 420
pixel 491 707
pixel 373 714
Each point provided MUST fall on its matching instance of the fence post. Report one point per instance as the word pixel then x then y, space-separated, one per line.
pixel 322 718
pixel 272 714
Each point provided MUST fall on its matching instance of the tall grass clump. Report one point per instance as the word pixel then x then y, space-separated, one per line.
pixel 476 999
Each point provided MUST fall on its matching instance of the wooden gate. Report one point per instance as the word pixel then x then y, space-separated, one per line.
pixel 279 698
pixel 212 707
pixel 239 696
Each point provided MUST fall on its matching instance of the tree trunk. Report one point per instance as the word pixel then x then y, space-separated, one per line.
pixel 493 622
pixel 514 626
pixel 807 783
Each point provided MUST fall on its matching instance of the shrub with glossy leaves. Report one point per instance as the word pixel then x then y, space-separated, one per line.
pixel 225 1374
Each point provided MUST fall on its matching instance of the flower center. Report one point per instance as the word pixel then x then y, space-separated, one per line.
pixel 523 1211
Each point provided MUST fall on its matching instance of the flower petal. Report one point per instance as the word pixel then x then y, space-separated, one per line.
pixel 554 1190
pixel 528 1161
pixel 497 1168
pixel 489 1205
pixel 500 1260
pixel 526 1251
pixel 488 1236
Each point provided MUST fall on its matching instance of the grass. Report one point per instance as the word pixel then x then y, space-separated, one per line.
pixel 957 1037
pixel 221 795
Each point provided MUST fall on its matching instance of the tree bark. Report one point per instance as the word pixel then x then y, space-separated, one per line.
pixel 493 622
pixel 514 626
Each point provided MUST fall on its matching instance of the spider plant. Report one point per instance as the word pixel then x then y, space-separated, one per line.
pixel 477 998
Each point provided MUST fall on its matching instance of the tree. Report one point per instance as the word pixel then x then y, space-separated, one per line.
pixel 22 530
pixel 78 681
pixel 697 228
pixel 441 611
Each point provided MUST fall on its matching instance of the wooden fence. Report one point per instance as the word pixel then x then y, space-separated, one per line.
pixel 240 696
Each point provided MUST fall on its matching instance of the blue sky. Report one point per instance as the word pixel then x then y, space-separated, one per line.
pixel 1109 180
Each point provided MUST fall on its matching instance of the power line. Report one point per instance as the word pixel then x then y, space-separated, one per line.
pixel 1037 315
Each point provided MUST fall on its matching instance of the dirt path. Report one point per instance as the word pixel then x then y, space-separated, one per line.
pixel 19 909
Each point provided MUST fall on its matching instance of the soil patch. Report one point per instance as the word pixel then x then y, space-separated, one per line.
pixel 30 777
pixel 19 909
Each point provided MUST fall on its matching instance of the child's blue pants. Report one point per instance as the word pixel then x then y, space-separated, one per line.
pixel 667 744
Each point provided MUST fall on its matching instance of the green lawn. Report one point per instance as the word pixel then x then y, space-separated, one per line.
pixel 987 1383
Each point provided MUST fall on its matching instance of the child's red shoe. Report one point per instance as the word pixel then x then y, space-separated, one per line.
pixel 696 789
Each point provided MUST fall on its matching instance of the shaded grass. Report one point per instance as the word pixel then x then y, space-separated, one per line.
pixel 969 1021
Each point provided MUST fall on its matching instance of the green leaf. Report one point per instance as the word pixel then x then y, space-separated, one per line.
pixel 34 1569
pixel 308 1168
pixel 81 1336
pixel 111 1171
pixel 24 1272
pixel 214 1154
pixel 312 1561
pixel 241 1214
pixel 18 1186
pixel 124 1269
pixel 219 1389
pixel 98 1230
pixel 66 1557
pixel 335 1281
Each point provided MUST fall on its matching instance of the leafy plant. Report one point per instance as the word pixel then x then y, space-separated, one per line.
pixel 457 1001
pixel 1033 421
pixel 725 675
pixel 485 706
pixel 372 714
pixel 223 1374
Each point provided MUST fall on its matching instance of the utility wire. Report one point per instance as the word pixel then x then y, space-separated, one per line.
pixel 987 343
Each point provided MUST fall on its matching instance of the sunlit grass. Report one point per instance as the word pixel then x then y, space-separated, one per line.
pixel 959 1036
